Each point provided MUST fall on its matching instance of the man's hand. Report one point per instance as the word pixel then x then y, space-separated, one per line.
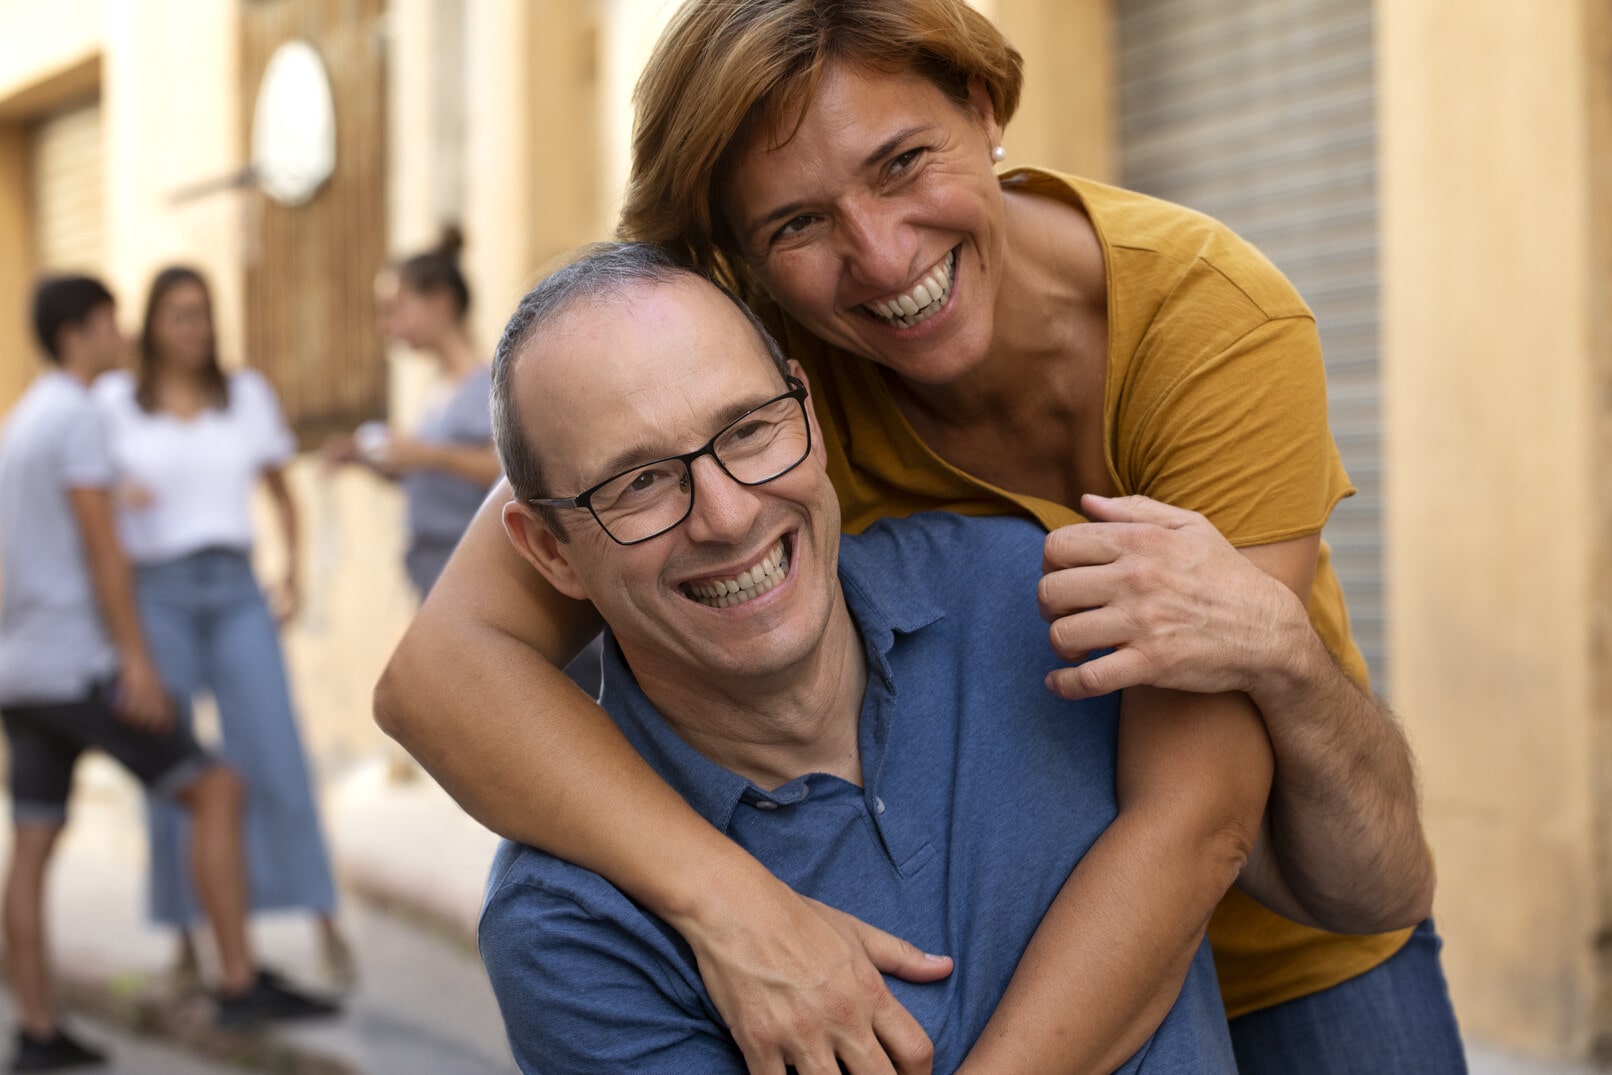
pixel 808 993
pixel 1180 607
pixel 141 701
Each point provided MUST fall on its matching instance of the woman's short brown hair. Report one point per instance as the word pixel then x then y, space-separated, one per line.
pixel 726 68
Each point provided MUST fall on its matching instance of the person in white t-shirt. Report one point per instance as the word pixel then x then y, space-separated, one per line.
pixel 190 443
pixel 76 674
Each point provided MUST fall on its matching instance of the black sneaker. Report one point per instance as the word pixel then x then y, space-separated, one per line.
pixel 270 999
pixel 55 1053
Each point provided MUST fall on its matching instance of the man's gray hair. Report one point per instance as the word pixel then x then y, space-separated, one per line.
pixel 600 270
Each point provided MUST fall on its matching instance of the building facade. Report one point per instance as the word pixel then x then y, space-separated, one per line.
pixel 1436 179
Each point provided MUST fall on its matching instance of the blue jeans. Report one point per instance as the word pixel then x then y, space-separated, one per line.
pixel 209 629
pixel 1394 1018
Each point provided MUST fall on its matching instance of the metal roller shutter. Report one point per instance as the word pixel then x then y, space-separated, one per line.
pixel 1262 113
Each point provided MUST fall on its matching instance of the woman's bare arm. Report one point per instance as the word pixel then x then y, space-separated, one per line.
pixel 289 597
pixel 1184 609
pixel 474 692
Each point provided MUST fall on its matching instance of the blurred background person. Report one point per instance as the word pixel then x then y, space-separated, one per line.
pixel 446 463
pixel 190 443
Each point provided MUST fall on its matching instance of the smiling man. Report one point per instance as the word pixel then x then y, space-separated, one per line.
pixel 865 714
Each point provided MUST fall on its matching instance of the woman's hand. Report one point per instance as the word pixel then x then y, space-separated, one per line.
pixel 801 985
pixel 1180 607
pixel 285 599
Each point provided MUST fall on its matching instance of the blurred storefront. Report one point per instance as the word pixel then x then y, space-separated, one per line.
pixel 1435 177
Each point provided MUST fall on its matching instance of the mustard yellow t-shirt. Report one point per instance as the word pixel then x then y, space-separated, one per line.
pixel 1215 400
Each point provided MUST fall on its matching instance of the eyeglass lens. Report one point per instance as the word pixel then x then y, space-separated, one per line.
pixel 757 448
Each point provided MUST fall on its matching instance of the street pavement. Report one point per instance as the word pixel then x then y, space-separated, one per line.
pixel 412 867
pixel 421 1004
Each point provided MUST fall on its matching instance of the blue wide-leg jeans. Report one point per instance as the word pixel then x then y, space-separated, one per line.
pixel 209 629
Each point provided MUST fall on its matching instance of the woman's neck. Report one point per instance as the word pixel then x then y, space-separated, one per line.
pixel 457 354
pixel 181 392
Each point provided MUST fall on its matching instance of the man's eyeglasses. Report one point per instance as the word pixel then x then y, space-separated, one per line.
pixel 764 443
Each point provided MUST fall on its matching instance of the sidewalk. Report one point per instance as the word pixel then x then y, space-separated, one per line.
pixel 412 867
pixel 422 1005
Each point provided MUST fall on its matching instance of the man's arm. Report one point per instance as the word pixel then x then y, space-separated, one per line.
pixel 475 693
pixel 141 698
pixel 1107 962
pixel 1183 609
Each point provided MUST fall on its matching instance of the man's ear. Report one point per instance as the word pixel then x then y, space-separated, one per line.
pixel 819 449
pixel 539 547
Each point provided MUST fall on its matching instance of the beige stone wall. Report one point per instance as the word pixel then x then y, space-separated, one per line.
pixel 1497 252
pixel 1495 509
pixel 167 77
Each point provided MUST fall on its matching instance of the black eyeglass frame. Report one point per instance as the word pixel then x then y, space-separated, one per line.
pixel 584 499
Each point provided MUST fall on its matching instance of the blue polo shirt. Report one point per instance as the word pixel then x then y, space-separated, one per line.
pixel 982 790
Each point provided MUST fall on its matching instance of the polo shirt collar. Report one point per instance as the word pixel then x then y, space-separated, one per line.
pixel 880 611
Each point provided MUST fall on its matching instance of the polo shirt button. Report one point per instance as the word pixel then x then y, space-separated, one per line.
pixel 766 804
pixel 878 805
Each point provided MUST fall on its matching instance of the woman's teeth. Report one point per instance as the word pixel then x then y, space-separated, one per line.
pixel 747 585
pixel 922 302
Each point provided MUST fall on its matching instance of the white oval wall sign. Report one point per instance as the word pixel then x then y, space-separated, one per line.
pixel 294 125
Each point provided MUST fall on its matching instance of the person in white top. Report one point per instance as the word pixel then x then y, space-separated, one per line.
pixel 76 674
pixel 189 443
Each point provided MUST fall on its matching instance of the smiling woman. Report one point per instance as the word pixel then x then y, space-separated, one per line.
pixel 1033 344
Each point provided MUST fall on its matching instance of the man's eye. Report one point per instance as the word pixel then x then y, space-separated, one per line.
pixel 746 430
pixel 645 480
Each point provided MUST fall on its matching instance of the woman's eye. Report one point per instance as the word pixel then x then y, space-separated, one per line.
pixel 903 162
pixel 792 227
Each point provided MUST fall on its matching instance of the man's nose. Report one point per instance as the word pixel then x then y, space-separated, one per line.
pixel 723 509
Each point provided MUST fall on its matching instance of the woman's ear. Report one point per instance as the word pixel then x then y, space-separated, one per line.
pixel 981 104
pixel 539 547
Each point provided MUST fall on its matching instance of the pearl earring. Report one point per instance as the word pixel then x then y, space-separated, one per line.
pixel 998 154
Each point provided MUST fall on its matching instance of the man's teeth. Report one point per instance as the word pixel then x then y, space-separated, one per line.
pixel 922 302
pixel 747 585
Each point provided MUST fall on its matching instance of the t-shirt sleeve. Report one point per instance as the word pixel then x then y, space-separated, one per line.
pixel 470 416
pixel 86 454
pixel 582 992
pixel 1231 421
pixel 273 443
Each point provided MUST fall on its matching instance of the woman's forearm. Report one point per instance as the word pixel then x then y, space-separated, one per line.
pixel 285 506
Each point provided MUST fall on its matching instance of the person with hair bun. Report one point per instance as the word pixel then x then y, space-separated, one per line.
pixel 446 463
pixel 190 442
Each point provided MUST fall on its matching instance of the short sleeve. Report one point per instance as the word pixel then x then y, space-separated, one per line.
pixel 86 454
pixel 584 990
pixel 1234 427
pixel 254 399
pixel 470 418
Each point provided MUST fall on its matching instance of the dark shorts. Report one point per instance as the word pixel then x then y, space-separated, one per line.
pixel 46 740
